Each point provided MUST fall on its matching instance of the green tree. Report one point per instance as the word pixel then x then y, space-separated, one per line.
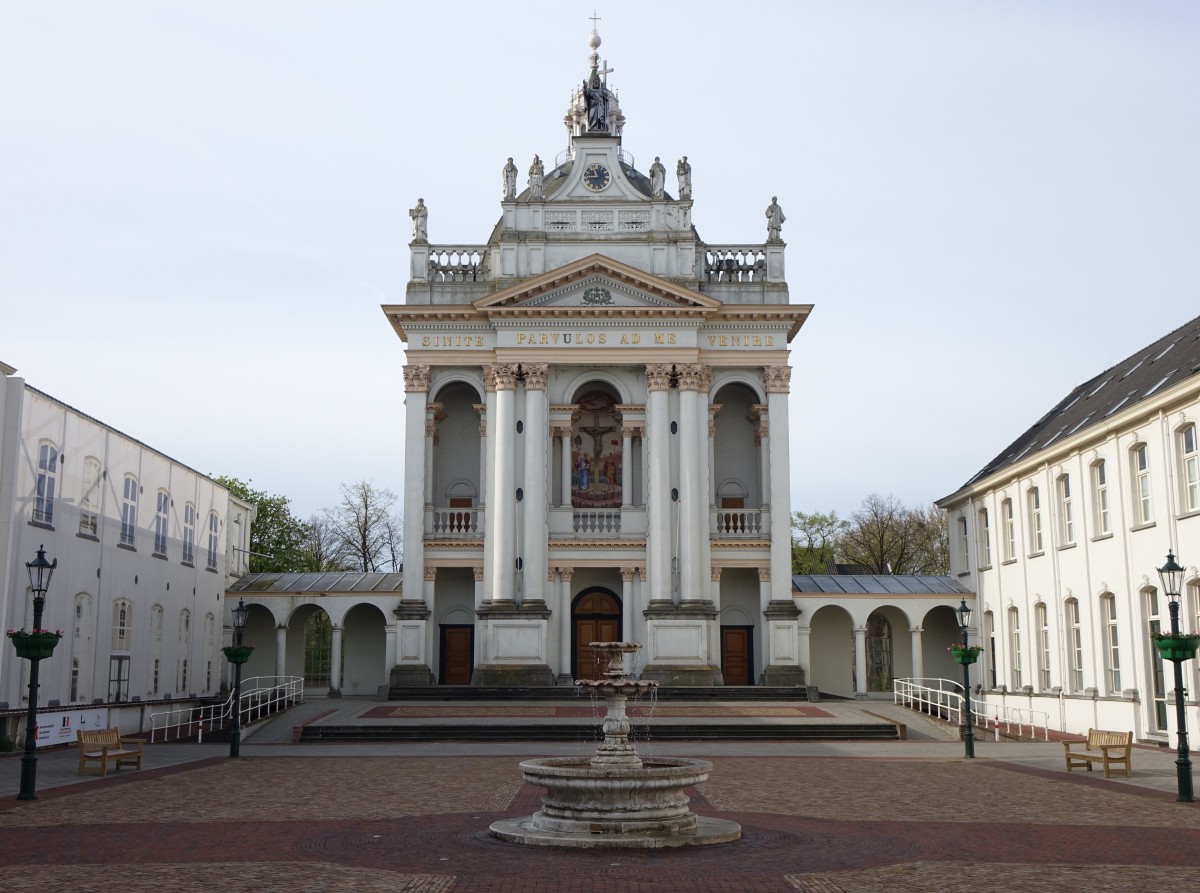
pixel 815 538
pixel 277 537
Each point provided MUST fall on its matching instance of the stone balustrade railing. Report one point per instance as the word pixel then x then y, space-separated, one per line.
pixel 597 521
pixel 738 522
pixel 735 263
pixel 457 263
pixel 456 522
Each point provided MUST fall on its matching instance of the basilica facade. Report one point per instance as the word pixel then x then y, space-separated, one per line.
pixel 597 430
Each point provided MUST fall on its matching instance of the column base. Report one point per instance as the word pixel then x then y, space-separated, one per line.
pixel 513 676
pixel 783 675
pixel 684 676
pixel 411 675
pixel 334 693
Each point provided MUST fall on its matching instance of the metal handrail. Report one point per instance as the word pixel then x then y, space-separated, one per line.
pixel 261 696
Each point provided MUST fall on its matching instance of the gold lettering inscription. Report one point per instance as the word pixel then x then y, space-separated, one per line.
pixel 741 340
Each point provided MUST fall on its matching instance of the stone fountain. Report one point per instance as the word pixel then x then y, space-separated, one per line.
pixel 615 799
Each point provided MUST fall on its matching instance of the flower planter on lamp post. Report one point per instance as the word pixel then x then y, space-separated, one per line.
pixel 1177 648
pixel 33 647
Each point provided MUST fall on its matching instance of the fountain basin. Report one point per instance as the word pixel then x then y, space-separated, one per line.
pixel 588 805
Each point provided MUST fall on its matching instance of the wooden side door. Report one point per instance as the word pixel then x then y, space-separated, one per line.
pixel 458 655
pixel 597 619
pixel 736 659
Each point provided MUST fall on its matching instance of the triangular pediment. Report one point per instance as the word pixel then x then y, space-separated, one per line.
pixel 596 282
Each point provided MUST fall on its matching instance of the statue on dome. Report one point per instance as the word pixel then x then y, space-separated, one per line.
pixel 658 177
pixel 510 180
pixel 683 171
pixel 775 220
pixel 420 219
pixel 596 97
pixel 536 175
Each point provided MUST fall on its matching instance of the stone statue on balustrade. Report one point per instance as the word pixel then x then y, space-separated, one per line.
pixel 683 171
pixel 420 219
pixel 775 220
pixel 536 175
pixel 658 178
pixel 510 180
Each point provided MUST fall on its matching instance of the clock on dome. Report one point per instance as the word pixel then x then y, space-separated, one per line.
pixel 596 177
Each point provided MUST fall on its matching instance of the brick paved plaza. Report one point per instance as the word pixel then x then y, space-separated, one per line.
pixel 874 817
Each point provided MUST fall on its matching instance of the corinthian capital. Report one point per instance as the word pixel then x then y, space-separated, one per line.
pixel 693 377
pixel 535 375
pixel 777 379
pixel 658 377
pixel 416 378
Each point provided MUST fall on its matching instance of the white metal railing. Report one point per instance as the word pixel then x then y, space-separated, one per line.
pixel 1018 718
pixel 737 522
pixel 597 521
pixel 261 696
pixel 456 521
pixel 944 698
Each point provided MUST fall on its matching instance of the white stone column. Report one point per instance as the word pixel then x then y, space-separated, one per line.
pixel 918 656
pixel 433 415
pixel 281 651
pixel 536 442
pixel 627 466
pixel 502 514
pixel 762 440
pixel 776 379
pixel 658 483
pixel 481 502
pixel 335 663
pixel 480 593
pixel 860 660
pixel 692 499
pixel 628 608
pixel 764 587
pixel 713 409
pixel 564 667
pixel 416 386
pixel 563 432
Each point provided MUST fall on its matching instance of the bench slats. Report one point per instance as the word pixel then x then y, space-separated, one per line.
pixel 104 746
pixel 1111 749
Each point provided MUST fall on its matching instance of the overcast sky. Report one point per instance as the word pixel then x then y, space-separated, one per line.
pixel 203 205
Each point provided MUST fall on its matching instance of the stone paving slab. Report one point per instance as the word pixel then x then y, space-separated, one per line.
pixel 871 819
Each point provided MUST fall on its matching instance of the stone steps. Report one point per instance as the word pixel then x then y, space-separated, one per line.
pixel 570 693
pixel 587 731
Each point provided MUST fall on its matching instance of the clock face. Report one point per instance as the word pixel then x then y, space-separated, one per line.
pixel 596 177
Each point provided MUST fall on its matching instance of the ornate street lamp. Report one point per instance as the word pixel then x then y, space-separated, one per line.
pixel 237 655
pixel 1177 649
pixel 33 646
pixel 966 655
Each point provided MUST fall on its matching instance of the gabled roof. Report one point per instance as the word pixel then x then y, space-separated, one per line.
pixel 322 584
pixel 876 584
pixel 592 265
pixel 1172 359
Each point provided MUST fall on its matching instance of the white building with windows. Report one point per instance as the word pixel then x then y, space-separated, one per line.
pixel 1061 534
pixel 145 548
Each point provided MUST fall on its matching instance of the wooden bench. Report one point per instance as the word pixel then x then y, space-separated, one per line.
pixel 1109 748
pixel 106 746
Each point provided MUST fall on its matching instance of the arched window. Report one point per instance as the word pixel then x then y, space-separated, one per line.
pixel 1112 651
pixel 1189 468
pixel 162 508
pixel 1152 611
pixel 1043 646
pixel 1035 522
pixel 879 653
pixel 189 533
pixel 82 630
pixel 129 506
pixel 89 502
pixel 964 550
pixel 122 619
pixel 318 650
pixel 1066 511
pixel 985 539
pixel 212 540
pixel 1139 470
pixel 47 480
pixel 1074 645
pixel 1010 530
pixel 1100 498
pixel 185 641
pixel 1014 647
